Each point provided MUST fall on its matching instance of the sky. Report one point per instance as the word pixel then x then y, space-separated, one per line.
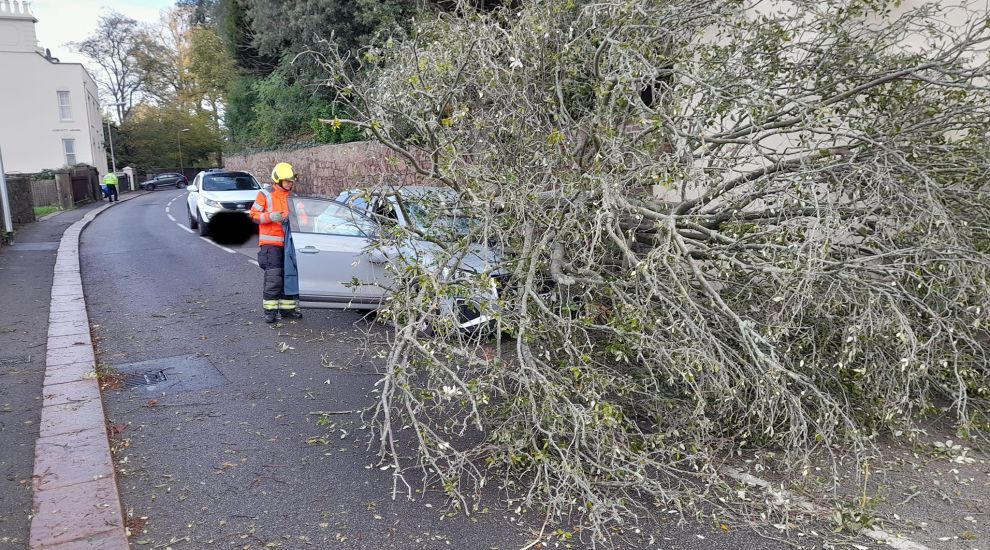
pixel 64 21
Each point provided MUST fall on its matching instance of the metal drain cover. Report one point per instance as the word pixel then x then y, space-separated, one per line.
pixel 146 379
pixel 170 375
pixel 35 247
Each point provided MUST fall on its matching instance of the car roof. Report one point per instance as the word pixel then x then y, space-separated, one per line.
pixel 227 173
pixel 406 190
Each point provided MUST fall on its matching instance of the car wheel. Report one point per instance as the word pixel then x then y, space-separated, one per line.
pixel 193 223
pixel 150 187
pixel 204 228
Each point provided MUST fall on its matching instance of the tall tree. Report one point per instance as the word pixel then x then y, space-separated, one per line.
pixel 235 29
pixel 199 13
pixel 149 138
pixel 163 56
pixel 751 230
pixel 289 27
pixel 117 47
pixel 211 69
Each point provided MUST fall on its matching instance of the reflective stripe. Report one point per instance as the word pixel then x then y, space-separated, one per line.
pixel 288 304
pixel 258 207
pixel 269 304
pixel 273 238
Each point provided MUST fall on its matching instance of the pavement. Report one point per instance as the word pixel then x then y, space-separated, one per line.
pixel 58 486
pixel 224 431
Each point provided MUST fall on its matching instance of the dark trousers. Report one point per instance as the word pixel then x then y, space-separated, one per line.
pixel 112 192
pixel 271 258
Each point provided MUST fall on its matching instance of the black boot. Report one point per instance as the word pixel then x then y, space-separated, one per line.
pixel 291 314
pixel 271 315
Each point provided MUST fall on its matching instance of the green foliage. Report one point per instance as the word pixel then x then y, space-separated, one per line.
pixel 276 110
pixel 46 174
pixel 292 26
pixel 241 98
pixel 202 13
pixel 333 133
pixel 282 111
pixel 235 29
pixel 211 67
pixel 150 138
pixel 41 211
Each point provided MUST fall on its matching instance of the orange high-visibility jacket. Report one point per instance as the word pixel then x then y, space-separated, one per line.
pixel 274 200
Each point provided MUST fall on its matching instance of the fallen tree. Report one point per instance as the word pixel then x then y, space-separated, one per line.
pixel 731 229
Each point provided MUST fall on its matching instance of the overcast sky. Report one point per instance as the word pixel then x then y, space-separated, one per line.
pixel 64 21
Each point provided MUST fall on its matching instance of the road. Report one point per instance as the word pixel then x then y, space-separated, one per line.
pixel 225 450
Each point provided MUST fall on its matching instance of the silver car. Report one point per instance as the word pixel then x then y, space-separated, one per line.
pixel 339 266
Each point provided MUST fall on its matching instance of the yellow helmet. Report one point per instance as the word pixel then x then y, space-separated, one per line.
pixel 283 171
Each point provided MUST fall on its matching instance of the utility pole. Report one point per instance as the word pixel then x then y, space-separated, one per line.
pixel 178 135
pixel 113 159
pixel 8 222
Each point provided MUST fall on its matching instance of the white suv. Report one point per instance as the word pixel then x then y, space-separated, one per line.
pixel 216 190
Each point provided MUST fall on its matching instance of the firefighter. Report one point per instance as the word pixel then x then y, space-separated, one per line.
pixel 271 213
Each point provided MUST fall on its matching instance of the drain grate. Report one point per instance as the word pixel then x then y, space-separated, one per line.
pixel 145 379
pixel 169 375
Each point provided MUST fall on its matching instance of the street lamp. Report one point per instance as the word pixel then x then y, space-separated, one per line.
pixel 113 158
pixel 182 169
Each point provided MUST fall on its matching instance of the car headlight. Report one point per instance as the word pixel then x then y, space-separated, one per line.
pixel 211 202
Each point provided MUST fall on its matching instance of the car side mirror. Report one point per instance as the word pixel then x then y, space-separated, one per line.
pixel 191 188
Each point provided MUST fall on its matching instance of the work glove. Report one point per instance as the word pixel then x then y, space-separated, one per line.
pixel 276 217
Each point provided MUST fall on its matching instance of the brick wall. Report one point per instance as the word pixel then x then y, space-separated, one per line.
pixel 21 203
pixel 327 170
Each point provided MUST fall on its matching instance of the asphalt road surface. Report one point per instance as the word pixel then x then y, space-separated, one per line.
pixel 214 439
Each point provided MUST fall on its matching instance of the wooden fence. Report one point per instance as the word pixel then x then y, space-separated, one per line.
pixel 44 192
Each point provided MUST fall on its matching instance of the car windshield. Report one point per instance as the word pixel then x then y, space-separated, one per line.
pixel 435 217
pixel 230 182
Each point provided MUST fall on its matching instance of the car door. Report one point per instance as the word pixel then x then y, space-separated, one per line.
pixel 331 243
pixel 192 196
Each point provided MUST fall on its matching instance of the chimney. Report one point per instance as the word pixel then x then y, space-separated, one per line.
pixel 17 27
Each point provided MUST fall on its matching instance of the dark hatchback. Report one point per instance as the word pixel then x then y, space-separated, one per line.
pixel 167 179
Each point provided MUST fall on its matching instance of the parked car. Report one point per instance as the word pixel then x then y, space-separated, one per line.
pixel 339 268
pixel 168 179
pixel 214 191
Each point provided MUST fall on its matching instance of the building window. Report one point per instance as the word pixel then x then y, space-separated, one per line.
pixel 69 147
pixel 64 107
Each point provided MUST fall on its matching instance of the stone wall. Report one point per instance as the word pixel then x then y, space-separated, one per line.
pixel 326 170
pixel 21 203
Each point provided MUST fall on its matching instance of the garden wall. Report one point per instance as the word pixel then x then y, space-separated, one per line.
pixel 327 170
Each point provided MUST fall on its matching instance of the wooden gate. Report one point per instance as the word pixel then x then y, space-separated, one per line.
pixel 80 187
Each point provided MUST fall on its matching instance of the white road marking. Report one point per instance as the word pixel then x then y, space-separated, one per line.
pixel 221 247
pixel 184 228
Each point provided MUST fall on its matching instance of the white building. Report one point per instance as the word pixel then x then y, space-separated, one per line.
pixel 49 111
